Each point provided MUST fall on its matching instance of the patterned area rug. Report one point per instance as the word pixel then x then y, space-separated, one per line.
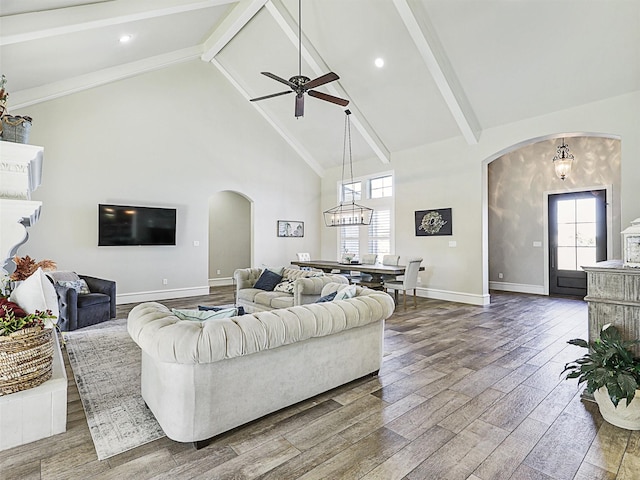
pixel 106 366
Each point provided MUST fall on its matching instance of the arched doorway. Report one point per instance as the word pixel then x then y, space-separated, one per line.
pixel 517 183
pixel 230 236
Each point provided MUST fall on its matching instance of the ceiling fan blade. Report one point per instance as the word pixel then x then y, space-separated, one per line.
pixel 279 79
pixel 299 106
pixel 316 82
pixel 329 98
pixel 271 96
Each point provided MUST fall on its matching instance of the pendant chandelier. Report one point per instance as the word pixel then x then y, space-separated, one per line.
pixel 347 213
pixel 562 161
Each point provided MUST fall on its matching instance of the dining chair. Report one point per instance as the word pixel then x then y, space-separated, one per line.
pixel 304 257
pixel 369 258
pixel 360 277
pixel 409 282
pixel 392 260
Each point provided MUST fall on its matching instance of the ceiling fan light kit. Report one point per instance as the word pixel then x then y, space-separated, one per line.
pixel 300 84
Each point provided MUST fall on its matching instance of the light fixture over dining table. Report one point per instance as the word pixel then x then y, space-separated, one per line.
pixel 347 213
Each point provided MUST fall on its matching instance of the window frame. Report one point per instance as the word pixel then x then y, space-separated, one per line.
pixel 378 203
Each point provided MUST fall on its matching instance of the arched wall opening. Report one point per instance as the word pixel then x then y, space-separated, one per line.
pixel 517 182
pixel 230 235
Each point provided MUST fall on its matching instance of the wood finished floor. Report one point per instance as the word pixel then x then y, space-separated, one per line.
pixel 465 392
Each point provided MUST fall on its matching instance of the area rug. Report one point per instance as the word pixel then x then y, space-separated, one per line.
pixel 106 366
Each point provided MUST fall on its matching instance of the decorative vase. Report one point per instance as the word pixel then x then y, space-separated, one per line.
pixel 26 358
pixel 623 416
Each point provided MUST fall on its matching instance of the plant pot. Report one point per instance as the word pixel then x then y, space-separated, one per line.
pixel 622 416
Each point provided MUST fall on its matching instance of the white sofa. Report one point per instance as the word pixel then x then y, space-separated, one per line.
pixel 307 287
pixel 203 378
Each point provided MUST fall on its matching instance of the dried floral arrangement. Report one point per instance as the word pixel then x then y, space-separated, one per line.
pixel 26 266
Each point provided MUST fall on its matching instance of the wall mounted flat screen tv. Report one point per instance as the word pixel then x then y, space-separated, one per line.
pixel 129 225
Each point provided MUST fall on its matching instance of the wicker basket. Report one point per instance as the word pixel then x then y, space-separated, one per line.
pixel 26 357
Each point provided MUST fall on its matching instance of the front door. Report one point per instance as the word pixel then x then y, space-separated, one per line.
pixel 577 236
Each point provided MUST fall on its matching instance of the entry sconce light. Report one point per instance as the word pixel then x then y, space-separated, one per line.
pixel 347 213
pixel 562 161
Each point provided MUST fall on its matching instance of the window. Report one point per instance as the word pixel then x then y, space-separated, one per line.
pixel 576 233
pixel 352 192
pixel 381 187
pixel 375 192
pixel 349 241
pixel 380 232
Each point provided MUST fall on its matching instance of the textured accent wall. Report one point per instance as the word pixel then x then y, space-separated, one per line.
pixel 518 182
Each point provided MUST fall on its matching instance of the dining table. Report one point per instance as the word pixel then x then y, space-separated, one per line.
pixel 379 273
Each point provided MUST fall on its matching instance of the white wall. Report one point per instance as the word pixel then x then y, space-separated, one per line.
pixel 454 174
pixel 167 138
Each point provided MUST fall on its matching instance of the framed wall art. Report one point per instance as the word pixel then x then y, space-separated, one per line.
pixel 290 228
pixel 430 223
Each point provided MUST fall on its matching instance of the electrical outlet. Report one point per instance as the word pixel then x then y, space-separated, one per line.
pixel 196 243
pixel 165 281
pixel 500 275
pixel 218 272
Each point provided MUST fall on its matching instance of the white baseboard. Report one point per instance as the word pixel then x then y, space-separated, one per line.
pixel 517 287
pixel 450 296
pixel 220 282
pixel 156 295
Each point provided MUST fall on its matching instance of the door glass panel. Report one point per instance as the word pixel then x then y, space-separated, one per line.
pixel 566 258
pixel 586 210
pixel 586 234
pixel 566 211
pixel 586 256
pixel 567 235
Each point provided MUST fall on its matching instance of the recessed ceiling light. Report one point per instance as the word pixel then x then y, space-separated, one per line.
pixel 125 38
pixel 379 62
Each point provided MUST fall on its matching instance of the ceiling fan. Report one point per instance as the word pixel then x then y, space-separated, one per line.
pixel 300 84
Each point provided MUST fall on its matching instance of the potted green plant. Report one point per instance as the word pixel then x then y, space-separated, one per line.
pixel 612 375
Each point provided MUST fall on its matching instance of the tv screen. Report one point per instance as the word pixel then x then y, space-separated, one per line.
pixel 128 225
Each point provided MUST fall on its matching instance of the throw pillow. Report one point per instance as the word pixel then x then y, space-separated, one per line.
pixel 347 292
pixel 79 286
pixel 268 280
pixel 285 286
pixel 240 309
pixel 202 315
pixel 6 306
pixel 276 270
pixel 62 276
pixel 327 298
pixel 37 293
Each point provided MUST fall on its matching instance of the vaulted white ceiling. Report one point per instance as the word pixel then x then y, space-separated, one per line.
pixel 452 67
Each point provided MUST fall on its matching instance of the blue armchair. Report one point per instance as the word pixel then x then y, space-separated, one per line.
pixel 78 310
